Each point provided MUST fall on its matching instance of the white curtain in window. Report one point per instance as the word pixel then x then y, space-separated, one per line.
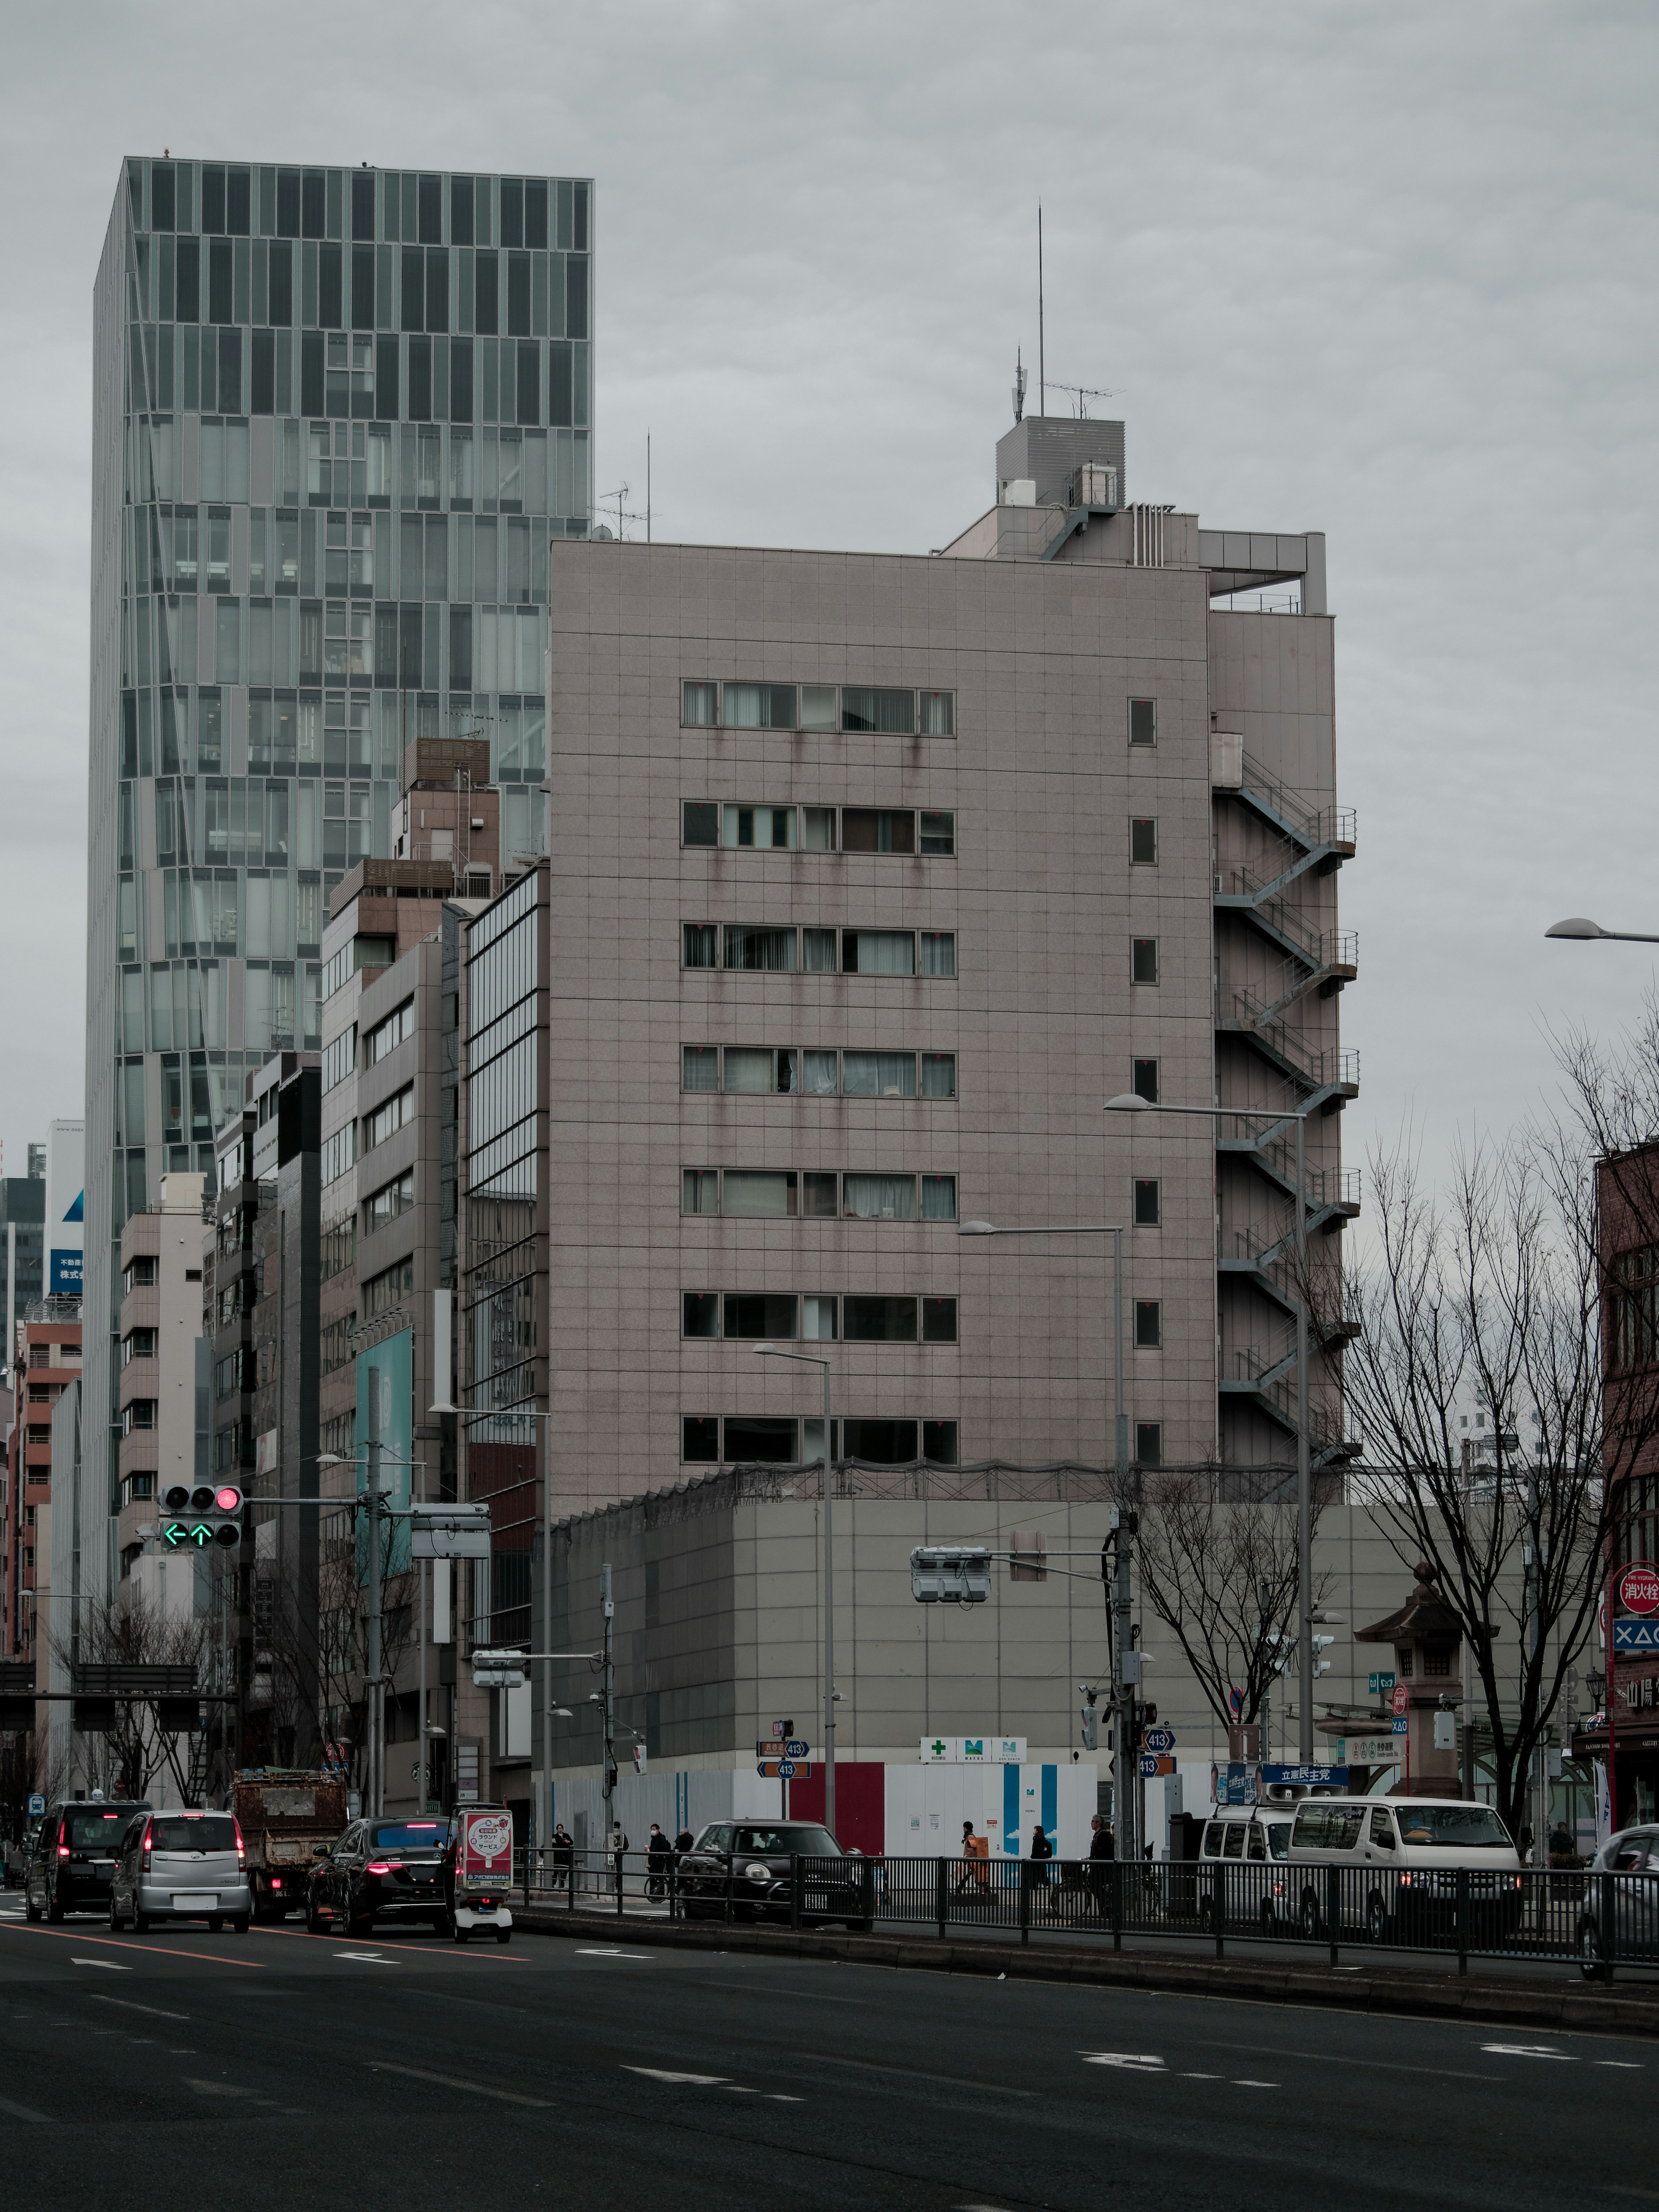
pixel 879 1198
pixel 755 1192
pixel 939 1198
pixel 749 1069
pixel 878 1075
pixel 818 1080
pixel 939 953
pixel 743 706
pixel 886 953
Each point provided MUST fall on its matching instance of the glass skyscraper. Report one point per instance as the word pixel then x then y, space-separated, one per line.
pixel 338 414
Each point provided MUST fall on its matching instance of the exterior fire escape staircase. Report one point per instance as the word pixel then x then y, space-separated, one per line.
pixel 1311 962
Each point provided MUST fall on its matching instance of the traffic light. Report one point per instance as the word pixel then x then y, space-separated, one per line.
pixel 498 1670
pixel 1142 1718
pixel 194 1518
pixel 1322 1644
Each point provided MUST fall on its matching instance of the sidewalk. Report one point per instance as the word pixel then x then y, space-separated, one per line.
pixel 1556 2000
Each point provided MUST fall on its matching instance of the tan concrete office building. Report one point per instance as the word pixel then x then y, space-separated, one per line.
pixel 871 878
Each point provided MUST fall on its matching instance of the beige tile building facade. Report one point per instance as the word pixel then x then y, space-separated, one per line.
pixel 870 878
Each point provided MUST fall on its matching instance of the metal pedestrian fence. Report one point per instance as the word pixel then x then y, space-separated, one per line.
pixel 1605 1922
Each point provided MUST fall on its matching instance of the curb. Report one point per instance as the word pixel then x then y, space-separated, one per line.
pixel 1565 2008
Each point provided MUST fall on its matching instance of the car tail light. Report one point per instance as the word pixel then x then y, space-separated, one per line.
pixel 241 1849
pixel 276 1881
pixel 149 1832
pixel 378 1866
pixel 63 1851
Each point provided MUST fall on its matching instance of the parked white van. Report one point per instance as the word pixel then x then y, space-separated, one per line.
pixel 1399 1859
pixel 1247 1834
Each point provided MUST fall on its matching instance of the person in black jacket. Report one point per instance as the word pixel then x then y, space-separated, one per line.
pixel 564 1855
pixel 1041 1851
pixel 659 1860
pixel 1102 1846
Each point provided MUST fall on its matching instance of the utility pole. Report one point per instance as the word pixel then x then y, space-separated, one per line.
pixel 1126 1687
pixel 372 1670
pixel 1304 1746
pixel 607 1606
pixel 1535 1566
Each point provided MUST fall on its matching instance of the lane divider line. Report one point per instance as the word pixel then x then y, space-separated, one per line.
pixel 126 1944
pixel 452 2081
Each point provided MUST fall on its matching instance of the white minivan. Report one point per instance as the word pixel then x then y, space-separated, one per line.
pixel 1398 1859
pixel 1249 1835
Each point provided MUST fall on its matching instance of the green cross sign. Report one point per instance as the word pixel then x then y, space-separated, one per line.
pixel 939 1747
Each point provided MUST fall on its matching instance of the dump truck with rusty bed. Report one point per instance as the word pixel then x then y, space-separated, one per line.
pixel 284 1813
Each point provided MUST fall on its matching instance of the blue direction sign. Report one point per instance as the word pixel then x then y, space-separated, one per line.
pixel 1317 1777
pixel 1381 1682
pixel 1158 1739
pixel 786 1769
pixel 797 1748
pixel 1402 1724
pixel 1636 1635
pixel 37 1804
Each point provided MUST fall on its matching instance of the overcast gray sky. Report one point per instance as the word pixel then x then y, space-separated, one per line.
pixel 1385 273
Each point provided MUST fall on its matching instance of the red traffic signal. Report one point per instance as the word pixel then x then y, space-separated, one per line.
pixel 208 1514
pixel 227 1498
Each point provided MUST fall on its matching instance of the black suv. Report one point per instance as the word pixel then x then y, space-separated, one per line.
pixel 71 1861
pixel 753 1858
pixel 379 1870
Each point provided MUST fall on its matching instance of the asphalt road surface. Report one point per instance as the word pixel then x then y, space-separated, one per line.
pixel 281 2069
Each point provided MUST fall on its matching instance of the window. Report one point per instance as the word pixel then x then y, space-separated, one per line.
pixel 140 1415
pixel 818 1197
pixel 136 1486
pixel 386 1204
pixel 386 1036
pixel 339 1058
pixel 939 1075
pixel 1149 1324
pixel 817 707
pixel 385 1291
pixel 761 829
pixel 1143 842
pixel 760 705
pixel 770 950
pixel 700 1438
pixel 939 953
pixel 817 951
pixel 335 1342
pixel 1146 1202
pixel 883 1443
pixel 939 834
pixel 817 1320
pixel 140 1273
pixel 761 1193
pixel 339 1153
pixel 765 1436
pixel 878 1075
pixel 1143 721
pixel 871 829
pixel 698 941
pixel 937 715
pixel 877 952
pixel 700 1313
pixel 1145 1082
pixel 700 822
pixel 939 1198
pixel 1436 1662
pixel 939 1321
pixel 758 1068
pixel 818 830
pixel 700 705
pixel 337 1247
pixel 700 1067
pixel 760 1315
pixel 892 713
pixel 386 1119
pixel 880 1197
pixel 1148 1443
pixel 137 1344
pixel 700 1190
pixel 878 1320
pixel 1143 959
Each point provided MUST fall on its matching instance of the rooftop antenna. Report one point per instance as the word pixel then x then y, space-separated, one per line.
pixel 1020 387
pixel 1042 381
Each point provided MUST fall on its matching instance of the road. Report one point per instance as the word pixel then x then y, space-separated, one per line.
pixel 281 2069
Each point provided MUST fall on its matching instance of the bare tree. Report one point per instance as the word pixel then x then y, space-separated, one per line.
pixel 128 1630
pixel 1491 1296
pixel 1219 1567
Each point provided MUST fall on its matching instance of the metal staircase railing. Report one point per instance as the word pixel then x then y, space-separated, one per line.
pixel 1327 825
pixel 1318 1068
pixel 1320 948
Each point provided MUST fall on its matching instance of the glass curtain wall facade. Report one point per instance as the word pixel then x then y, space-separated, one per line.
pixel 338 415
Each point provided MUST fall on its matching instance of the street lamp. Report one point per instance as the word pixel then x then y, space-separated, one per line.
pixel 1131 1102
pixel 1122 1601
pixel 811 1359
pixel 1576 926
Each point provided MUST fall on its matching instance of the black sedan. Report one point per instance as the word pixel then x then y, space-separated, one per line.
pixel 753 1858
pixel 379 1870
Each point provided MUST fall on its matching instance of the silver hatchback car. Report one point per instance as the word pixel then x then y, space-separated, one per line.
pixel 182 1865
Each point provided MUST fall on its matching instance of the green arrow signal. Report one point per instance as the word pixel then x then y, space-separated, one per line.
pixel 173 1534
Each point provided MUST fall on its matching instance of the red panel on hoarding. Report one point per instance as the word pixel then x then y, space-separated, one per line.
pixel 861 1803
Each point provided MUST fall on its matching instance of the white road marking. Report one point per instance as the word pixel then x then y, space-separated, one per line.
pixel 1132 2061
pixel 661 2073
pixel 452 2081
pixel 22 2111
pixel 610 1952
pixel 1241 2082
pixel 736 2090
pixel 1203 2077
pixel 1625 2065
pixel 217 2089
pixel 1529 2050
pixel 128 2005
pixel 108 1965
pixel 368 1958
pixel 777 2097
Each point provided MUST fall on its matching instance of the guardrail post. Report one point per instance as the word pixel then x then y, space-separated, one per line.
pixel 1609 1924
pixel 1025 1866
pixel 1333 1907
pixel 1117 1904
pixel 1218 1911
pixel 795 1889
pixel 728 1889
pixel 942 1895
pixel 1462 1920
pixel 620 1857
pixel 526 1877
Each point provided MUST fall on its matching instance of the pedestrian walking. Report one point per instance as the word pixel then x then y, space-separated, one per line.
pixel 682 1843
pixel 975 1853
pixel 659 1860
pixel 617 1847
pixel 1103 1847
pixel 1041 1851
pixel 564 1856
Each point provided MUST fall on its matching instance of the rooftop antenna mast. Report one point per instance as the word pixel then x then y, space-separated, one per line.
pixel 1042 381
pixel 1020 387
